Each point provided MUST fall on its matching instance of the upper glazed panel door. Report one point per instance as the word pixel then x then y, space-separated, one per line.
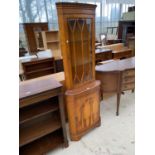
pixel 80 48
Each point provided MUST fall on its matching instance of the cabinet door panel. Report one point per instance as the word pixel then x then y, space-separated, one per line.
pixel 87 111
pixel 80 47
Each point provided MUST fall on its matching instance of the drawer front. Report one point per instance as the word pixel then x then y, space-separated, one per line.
pixel 128 86
pixel 108 56
pixel 130 79
pixel 128 73
pixel 125 54
pixel 103 56
pixel 99 56
pixel 98 59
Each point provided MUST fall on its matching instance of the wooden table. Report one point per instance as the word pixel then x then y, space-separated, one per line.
pixel 60 77
pixel 117 76
pixel 41 116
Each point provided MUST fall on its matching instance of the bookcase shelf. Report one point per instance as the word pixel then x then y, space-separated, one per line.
pixel 39 146
pixel 51 41
pixel 42 119
pixel 38 110
pixel 40 70
pixel 38 129
pixel 38 67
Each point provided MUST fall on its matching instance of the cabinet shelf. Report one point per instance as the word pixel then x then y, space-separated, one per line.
pixel 38 67
pixel 46 143
pixel 51 41
pixel 38 110
pixel 39 70
pixel 38 130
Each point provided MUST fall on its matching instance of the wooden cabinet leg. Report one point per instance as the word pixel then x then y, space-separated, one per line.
pixel 118 103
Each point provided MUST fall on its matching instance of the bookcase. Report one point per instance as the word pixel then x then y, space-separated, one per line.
pixel 51 41
pixel 38 67
pixel 33 35
pixel 41 116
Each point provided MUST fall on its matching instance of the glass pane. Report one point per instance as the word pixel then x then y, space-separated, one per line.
pixel 80 44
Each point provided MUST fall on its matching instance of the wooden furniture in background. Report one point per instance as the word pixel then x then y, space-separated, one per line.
pixel 21 72
pixel 126 28
pixel 41 116
pixel 113 41
pixel 131 44
pixel 77 29
pixel 38 67
pixel 33 35
pixel 112 29
pixel 51 41
pixel 122 54
pixel 119 51
pixel 131 8
pixel 22 52
pixel 59 64
pixel 102 55
pixel 112 36
pixel 117 76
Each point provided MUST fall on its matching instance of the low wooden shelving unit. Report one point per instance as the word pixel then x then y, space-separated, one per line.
pixel 41 116
pixel 38 67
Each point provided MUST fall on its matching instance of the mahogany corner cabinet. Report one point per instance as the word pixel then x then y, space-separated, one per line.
pixel 77 40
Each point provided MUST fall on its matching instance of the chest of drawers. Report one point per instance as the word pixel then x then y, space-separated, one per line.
pixel 102 55
pixel 126 53
pixel 128 80
pixel 117 76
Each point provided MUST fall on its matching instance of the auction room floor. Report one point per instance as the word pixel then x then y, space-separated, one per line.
pixel 115 136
